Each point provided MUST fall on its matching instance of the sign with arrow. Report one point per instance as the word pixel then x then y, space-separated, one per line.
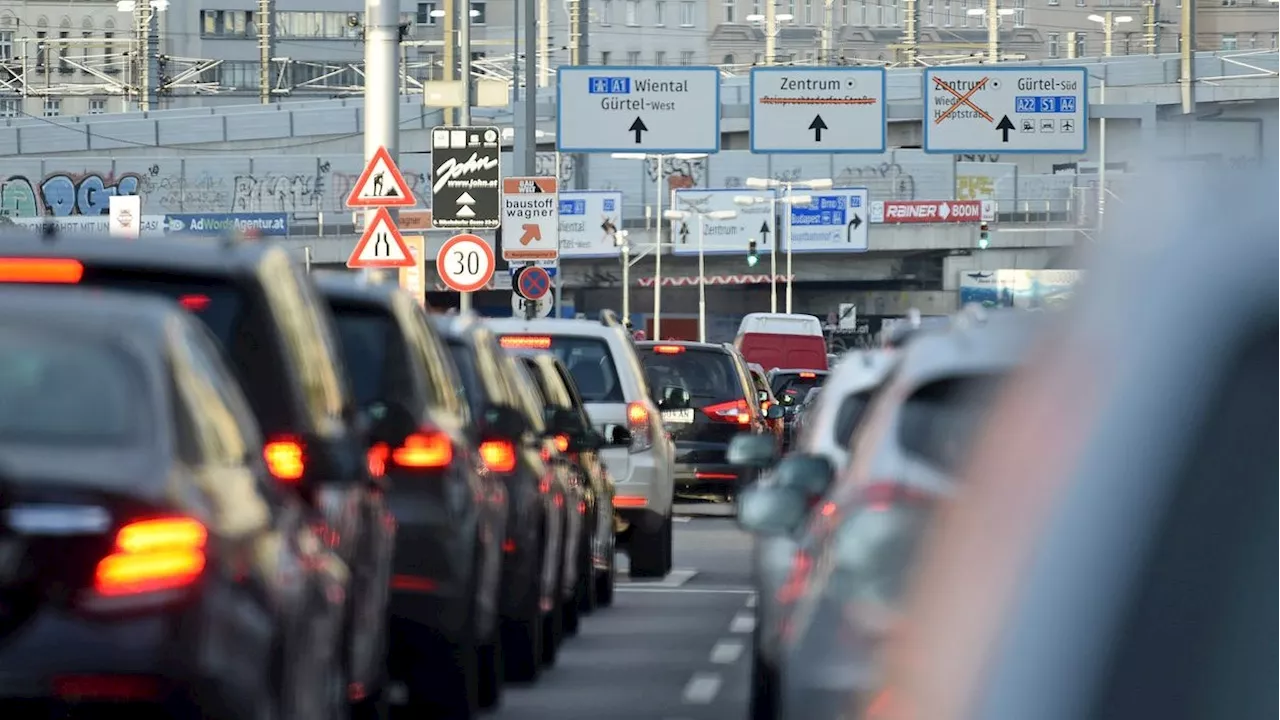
pixel 730 236
pixel 833 221
pixel 530 218
pixel 1012 110
pixel 638 109
pixel 466 177
pixel 818 110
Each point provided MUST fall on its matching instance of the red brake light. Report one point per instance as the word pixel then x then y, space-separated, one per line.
pixel 668 349
pixel 424 450
pixel 286 459
pixel 735 411
pixel 562 443
pixel 808 375
pixel 153 555
pixel 194 303
pixel 638 425
pixel 498 455
pixel 41 270
pixel 525 342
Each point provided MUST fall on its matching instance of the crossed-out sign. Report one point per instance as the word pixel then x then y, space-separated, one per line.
pixel 1012 110
pixel 381 186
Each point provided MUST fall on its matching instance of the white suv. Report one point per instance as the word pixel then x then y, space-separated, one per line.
pixel 604 365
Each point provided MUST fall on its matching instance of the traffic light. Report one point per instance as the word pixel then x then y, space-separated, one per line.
pixel 753 254
pixel 984 236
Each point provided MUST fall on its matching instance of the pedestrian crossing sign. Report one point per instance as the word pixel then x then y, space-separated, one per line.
pixel 381 185
pixel 381 246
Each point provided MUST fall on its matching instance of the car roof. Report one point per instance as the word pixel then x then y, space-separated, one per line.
pixel 354 287
pixel 91 310
pixel 191 254
pixel 555 327
pixel 796 371
pixel 992 342
pixel 690 344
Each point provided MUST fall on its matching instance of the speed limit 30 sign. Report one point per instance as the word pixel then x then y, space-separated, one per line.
pixel 465 263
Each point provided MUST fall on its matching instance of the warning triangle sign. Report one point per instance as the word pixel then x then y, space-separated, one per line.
pixel 381 246
pixel 381 185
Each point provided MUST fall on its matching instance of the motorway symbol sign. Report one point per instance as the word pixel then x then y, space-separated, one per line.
pixel 638 109
pixel 1015 110
pixel 466 177
pixel 833 221
pixel 465 263
pixel 532 282
pixel 381 245
pixel 818 110
pixel 381 185
pixel 530 218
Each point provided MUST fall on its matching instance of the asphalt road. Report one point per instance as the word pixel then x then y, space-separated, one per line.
pixel 676 649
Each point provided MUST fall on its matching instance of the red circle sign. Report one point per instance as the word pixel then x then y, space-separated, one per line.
pixel 534 283
pixel 465 263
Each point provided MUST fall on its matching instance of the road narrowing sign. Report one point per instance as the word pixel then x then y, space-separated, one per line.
pixel 381 185
pixel 465 263
pixel 530 218
pixel 1013 110
pixel 381 246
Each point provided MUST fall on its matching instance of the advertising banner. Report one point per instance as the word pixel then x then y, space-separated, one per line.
pixel 268 224
pixel 151 225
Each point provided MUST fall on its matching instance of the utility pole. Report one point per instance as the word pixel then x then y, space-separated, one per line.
pixel 770 33
pixel 1151 28
pixel 1108 31
pixel 449 68
pixel 381 84
pixel 582 42
pixel 911 32
pixel 463 10
pixel 266 47
pixel 993 31
pixel 1072 37
pixel 530 89
pixel 1187 40
pixel 148 56
pixel 544 44
pixel 828 20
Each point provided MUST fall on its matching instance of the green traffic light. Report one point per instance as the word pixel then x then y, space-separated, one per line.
pixel 984 242
pixel 752 260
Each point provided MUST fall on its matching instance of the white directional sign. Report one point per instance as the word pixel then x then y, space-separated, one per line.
pixel 638 109
pixel 530 219
pixel 818 110
pixel 589 223
pixel 834 221
pixel 722 237
pixel 1013 110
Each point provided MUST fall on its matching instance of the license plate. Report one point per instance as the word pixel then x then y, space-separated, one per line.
pixel 678 416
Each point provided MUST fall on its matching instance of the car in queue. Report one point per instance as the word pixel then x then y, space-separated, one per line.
pixel 152 564
pixel 449 505
pixel 767 399
pixel 276 333
pixel 791 386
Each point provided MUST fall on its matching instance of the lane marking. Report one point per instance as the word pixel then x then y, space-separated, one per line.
pixel 678 591
pixel 674 579
pixel 702 688
pixel 743 623
pixel 751 601
pixel 726 652
pixel 682 518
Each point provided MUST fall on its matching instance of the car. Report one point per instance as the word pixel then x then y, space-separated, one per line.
pixel 602 359
pixel 278 338
pixel 149 557
pixel 791 386
pixel 782 340
pixel 531 610
pixel 443 485
pixel 803 412
pixel 767 399
pixel 833 613
pixel 580 445
pixel 707 399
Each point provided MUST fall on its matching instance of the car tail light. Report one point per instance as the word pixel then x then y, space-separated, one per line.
pixel 808 375
pixel 153 555
pixel 41 270
pixel 525 342
pixel 562 443
pixel 286 459
pixel 424 450
pixel 639 425
pixel 765 405
pixel 734 411
pixel 194 303
pixel 498 455
pixel 668 349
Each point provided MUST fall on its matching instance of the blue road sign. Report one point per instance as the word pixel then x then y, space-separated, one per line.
pixel 269 224
pixel 834 221
pixel 516 268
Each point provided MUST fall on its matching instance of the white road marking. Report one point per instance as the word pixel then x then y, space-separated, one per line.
pixel 702 688
pixel 681 518
pixel 624 587
pixel 743 623
pixel 751 601
pixel 674 579
pixel 726 652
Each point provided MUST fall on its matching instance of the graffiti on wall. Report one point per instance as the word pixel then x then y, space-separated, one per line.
pixel 64 194
pixel 680 174
pixel 886 180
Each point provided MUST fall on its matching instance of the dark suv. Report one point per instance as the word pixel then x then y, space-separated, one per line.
pixel 706 398
pixel 450 507
pixel 277 336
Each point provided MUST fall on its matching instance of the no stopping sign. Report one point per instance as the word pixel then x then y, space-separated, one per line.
pixel 465 263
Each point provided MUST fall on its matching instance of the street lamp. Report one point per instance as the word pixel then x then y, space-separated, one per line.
pixel 792 200
pixel 993 27
pixel 657 239
pixel 770 21
pixel 684 215
pixel 623 243
pixel 1109 20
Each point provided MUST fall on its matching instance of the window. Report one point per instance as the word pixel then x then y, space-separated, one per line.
pixel 1229 42
pixel 946 13
pixel 846 12
pixel 632 12
pixel 222 422
pixel 659 58
pixel 480 12
pixel 729 7
pixel 52 107
pixel 660 13
pixel 423 16
pixel 63 48
pixel 229 23
pixel 6 44
pixel 688 12
pixel 929 14
pixel 755 7
pixel 86 50
pixel 893 13
pixel 1080 46
pixel 110 49
pixel 862 12
pixel 606 12
pixel 442 380
pixel 633 57
pixel 10 108
pixel 1081 3
pixel 97 106
pixel 1020 13
pixel 605 57
pixel 40 47
pixel 313 24
pixel 709 376
pixel 808 12
pixel 374 353
pixel 686 57
pixel 935 423
pixel 1054 48
pixel 728 59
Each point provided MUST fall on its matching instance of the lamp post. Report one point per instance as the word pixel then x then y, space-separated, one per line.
pixel 770 21
pixel 773 200
pixel 623 244
pixel 791 200
pixel 1108 20
pixel 993 27
pixel 702 267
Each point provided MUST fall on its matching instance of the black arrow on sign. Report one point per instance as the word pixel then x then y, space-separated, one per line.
pixel 638 127
pixel 817 126
pixel 764 230
pixel 1004 126
pixel 853 225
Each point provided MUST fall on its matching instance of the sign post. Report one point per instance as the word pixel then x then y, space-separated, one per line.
pixel 818 110
pixel 638 109
pixel 1012 110
pixel 381 186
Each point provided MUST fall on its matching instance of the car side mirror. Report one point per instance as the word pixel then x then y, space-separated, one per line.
pixel 769 509
pixel 389 422
pixel 675 398
pixel 753 451
pixel 762 396
pixel 616 435
pixel 504 422
pixel 775 412
pixel 809 475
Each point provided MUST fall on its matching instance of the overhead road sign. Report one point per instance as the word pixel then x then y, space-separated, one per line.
pixel 381 185
pixel 465 263
pixel 833 221
pixel 722 237
pixel 381 246
pixel 466 177
pixel 818 110
pixel 530 218
pixel 638 109
pixel 1013 110
pixel 531 282
pixel 589 223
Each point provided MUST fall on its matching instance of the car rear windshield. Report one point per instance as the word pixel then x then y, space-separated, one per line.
pixel 939 420
pixel 373 353
pixel 796 385
pixel 848 416
pixel 58 389
pixel 214 301
pixel 588 360
pixel 709 376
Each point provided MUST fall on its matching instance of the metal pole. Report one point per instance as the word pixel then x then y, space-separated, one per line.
pixel 993 31
pixel 463 8
pixel 381 82
pixel 626 279
pixel 657 258
pixel 702 286
pixel 770 31
pixel 266 48
pixel 450 67
pixel 306 258
pixel 559 278
pixel 773 253
pixel 1187 38
pixel 530 93
pixel 790 197
pixel 911 32
pixel 1108 25
pixel 544 43
pixel 1102 152
pixel 828 21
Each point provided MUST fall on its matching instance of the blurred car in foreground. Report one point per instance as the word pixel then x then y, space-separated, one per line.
pixel 150 562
